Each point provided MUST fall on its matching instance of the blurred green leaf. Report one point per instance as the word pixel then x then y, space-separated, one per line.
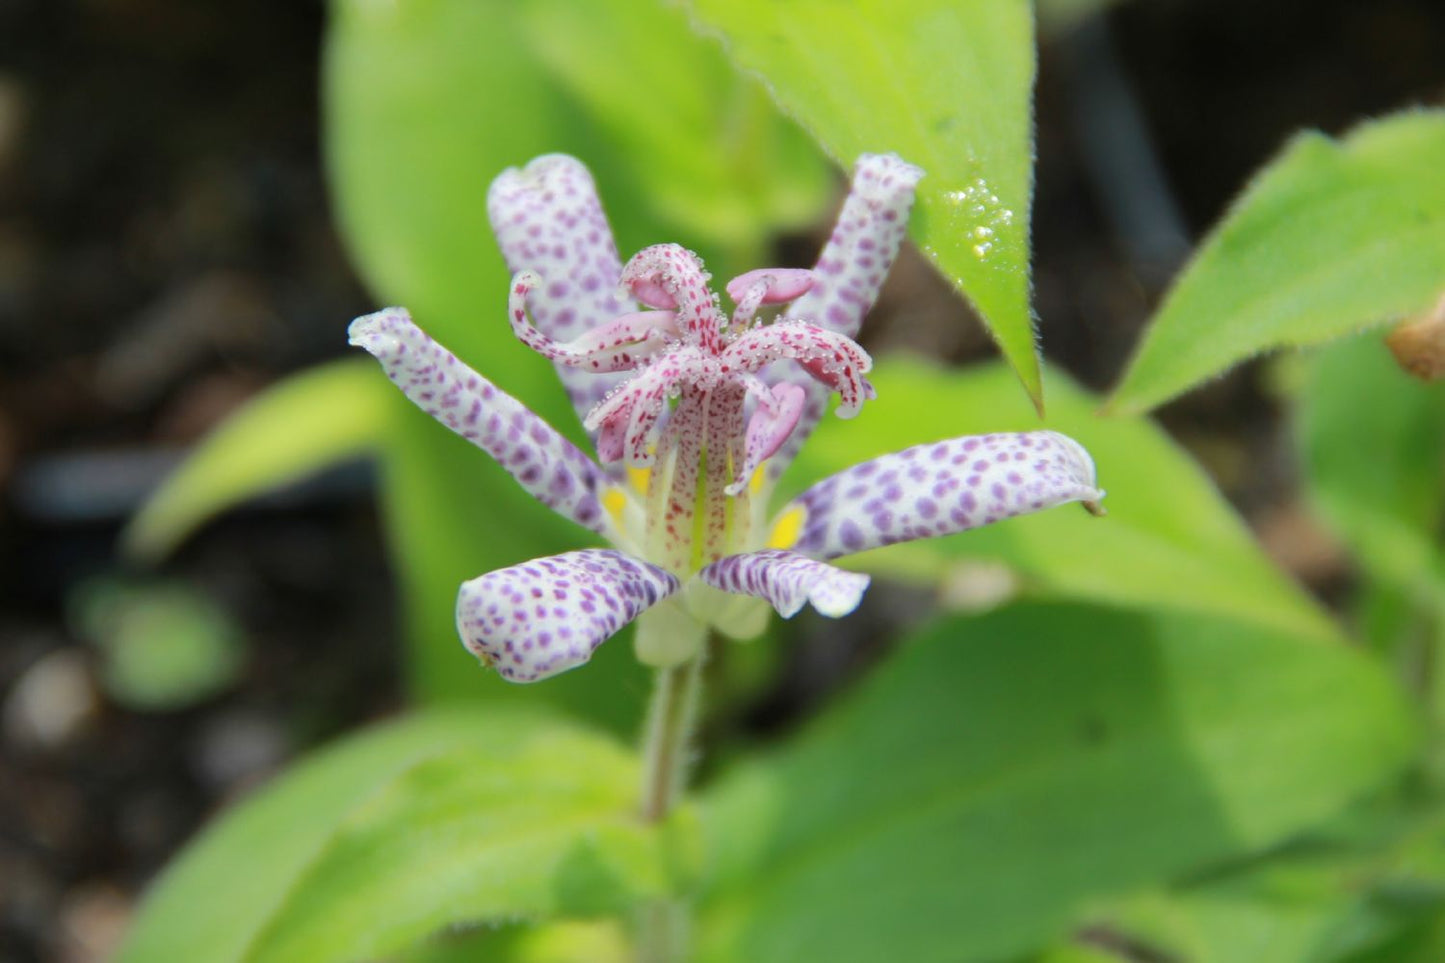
pixel 297 426
pixel 1367 886
pixel 1422 942
pixel 703 144
pixel 1076 953
pixel 996 773
pixel 1374 464
pixel 418 122
pixel 535 826
pixel 1284 911
pixel 1169 538
pixel 245 862
pixel 595 941
pixel 946 85
pixel 163 645
pixel 446 817
pixel 1331 236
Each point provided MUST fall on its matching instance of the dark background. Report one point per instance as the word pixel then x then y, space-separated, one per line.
pixel 166 251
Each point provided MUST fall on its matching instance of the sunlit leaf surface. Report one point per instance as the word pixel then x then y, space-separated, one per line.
pixel 948 86
pixel 1332 236
pixel 998 773
pixel 448 817
pixel 1169 537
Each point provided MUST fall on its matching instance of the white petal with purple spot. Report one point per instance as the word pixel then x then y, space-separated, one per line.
pixel 548 219
pixel 940 488
pixel 849 273
pixel 548 615
pixel 787 580
pixel 548 466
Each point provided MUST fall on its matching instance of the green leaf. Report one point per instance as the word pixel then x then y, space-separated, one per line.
pixel 1367 886
pixel 704 145
pixel 596 941
pixel 998 773
pixel 1370 438
pixel 946 85
pixel 541 827
pixel 164 645
pixel 371 845
pixel 1331 236
pixel 274 835
pixel 1169 538
pixel 297 426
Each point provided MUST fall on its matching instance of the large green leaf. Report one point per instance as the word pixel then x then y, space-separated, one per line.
pixel 297 426
pixel 254 853
pixel 1169 537
pixel 426 102
pixel 946 84
pixel 1367 886
pixel 536 828
pixel 997 773
pixel 1374 463
pixel 442 818
pixel 700 143
pixel 1330 237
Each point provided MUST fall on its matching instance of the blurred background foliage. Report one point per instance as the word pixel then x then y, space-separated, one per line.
pixel 1145 752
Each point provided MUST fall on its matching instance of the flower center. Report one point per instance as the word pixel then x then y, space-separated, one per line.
pixel 705 407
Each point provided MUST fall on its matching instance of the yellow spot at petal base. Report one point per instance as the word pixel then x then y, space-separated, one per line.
pixel 755 484
pixel 640 478
pixel 615 501
pixel 787 528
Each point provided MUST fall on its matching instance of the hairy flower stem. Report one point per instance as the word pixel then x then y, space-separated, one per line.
pixel 662 923
pixel 670 722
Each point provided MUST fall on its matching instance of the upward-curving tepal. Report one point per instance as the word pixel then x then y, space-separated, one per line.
pixel 694 414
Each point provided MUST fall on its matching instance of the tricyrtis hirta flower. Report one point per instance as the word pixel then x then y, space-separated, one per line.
pixel 694 414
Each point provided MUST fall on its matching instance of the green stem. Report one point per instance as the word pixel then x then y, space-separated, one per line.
pixel 663 923
pixel 670 722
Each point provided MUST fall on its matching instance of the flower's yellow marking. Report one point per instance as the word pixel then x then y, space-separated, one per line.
pixel 615 501
pixel 787 528
pixel 755 484
pixel 640 478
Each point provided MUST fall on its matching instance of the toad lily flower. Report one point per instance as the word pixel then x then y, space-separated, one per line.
pixel 694 415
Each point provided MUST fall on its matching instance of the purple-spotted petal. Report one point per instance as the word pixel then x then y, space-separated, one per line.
pixel 787 580
pixel 865 240
pixel 548 219
pixel 850 272
pixel 546 464
pixel 940 488
pixel 548 615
